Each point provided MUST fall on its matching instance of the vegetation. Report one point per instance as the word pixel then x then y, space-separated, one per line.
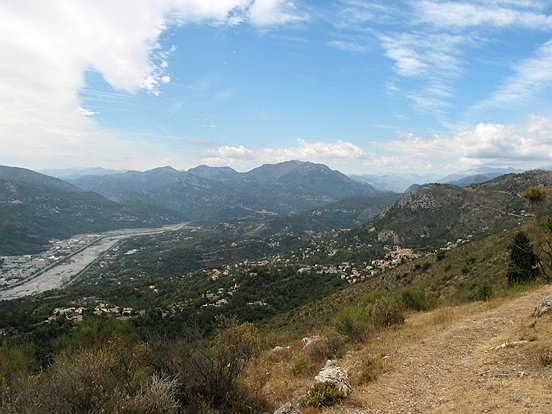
pixel 374 312
pixel 523 261
pixel 323 394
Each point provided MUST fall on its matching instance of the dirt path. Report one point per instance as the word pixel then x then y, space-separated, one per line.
pixel 452 366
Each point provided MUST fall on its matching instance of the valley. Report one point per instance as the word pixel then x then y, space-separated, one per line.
pixel 34 274
pixel 347 269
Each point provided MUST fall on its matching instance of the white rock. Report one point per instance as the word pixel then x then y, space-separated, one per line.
pixel 308 340
pixel 543 307
pixel 336 375
pixel 287 408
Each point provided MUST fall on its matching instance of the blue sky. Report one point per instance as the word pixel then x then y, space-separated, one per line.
pixel 363 86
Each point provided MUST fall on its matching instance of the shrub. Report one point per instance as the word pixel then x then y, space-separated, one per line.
pixel 544 356
pixel 357 322
pixel 417 299
pixel 212 374
pixel 483 292
pixel 440 255
pixel 158 396
pixel 327 347
pixel 323 394
pixel 368 371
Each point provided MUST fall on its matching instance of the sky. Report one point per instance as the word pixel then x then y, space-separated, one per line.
pixel 362 86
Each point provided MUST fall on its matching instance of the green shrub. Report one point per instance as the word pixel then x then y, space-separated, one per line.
pixel 417 299
pixel 323 394
pixel 440 255
pixel 357 322
pixel 483 292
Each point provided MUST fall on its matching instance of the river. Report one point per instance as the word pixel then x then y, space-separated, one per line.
pixel 64 272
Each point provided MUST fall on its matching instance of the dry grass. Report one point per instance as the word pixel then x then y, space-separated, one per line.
pixel 544 356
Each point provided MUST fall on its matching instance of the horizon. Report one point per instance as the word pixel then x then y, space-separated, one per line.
pixel 365 87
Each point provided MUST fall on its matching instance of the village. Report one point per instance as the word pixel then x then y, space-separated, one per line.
pixel 16 269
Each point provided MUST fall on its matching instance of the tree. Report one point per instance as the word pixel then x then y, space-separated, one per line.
pixel 541 228
pixel 523 261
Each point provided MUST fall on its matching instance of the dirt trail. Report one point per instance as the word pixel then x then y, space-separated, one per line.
pixel 455 367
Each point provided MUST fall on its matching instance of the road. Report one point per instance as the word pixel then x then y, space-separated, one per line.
pixel 61 274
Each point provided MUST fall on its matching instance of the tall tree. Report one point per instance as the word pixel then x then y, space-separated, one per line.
pixel 523 261
pixel 541 228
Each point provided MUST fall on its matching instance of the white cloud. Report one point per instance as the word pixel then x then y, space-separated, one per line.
pixel 269 12
pixel 531 77
pixel 435 58
pixel 348 46
pixel 465 14
pixel 524 146
pixel 47 47
pixel 336 153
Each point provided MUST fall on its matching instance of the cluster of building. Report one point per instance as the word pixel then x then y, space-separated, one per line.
pixel 75 313
pixel 15 269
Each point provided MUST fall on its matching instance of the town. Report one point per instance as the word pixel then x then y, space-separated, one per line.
pixel 17 269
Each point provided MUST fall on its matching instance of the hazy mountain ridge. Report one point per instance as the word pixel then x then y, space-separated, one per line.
pixel 23 175
pixel 210 193
pixel 35 208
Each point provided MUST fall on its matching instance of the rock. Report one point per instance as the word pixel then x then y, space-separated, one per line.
pixel 278 349
pixel 388 236
pixel 308 340
pixel 336 375
pixel 543 307
pixel 287 408
pixel 511 344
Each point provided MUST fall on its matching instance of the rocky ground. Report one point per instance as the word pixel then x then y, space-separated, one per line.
pixel 478 358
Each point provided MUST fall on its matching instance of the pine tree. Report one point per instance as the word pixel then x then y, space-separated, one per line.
pixel 523 261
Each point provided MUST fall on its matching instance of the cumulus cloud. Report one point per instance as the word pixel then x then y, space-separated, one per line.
pixel 525 146
pixel 334 153
pixel 269 12
pixel 47 47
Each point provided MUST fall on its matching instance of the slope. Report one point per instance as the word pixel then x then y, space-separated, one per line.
pixel 31 213
pixel 436 214
pixel 451 361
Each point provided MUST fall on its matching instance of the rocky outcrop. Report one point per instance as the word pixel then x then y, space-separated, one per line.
pixel 543 307
pixel 334 374
pixel 287 408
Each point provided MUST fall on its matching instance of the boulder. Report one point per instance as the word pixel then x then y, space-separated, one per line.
pixel 287 408
pixel 335 375
pixel 543 307
pixel 308 340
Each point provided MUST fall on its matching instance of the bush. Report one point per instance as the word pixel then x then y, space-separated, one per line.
pixel 544 356
pixel 367 371
pixel 357 322
pixel 327 347
pixel 440 255
pixel 483 292
pixel 158 396
pixel 417 299
pixel 323 394
pixel 212 374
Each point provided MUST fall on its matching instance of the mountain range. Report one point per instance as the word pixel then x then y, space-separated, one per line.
pixel 35 208
pixel 206 194
pixel 291 196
